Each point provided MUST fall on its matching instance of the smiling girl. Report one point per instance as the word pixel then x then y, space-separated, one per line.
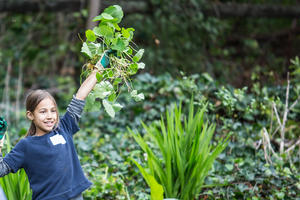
pixel 47 152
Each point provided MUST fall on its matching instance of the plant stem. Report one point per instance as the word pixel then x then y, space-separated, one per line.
pixel 282 133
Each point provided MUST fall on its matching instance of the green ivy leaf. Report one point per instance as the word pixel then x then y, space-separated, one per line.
pixel 99 76
pixel 91 104
pixel 229 167
pixel 117 27
pixel 108 73
pixel 280 195
pixel 106 16
pixel 108 108
pixel 118 44
pixel 96 48
pixel 128 50
pixel 90 35
pixel 111 25
pixel 91 49
pixel 112 97
pixel 116 12
pixel 136 96
pixel 105 31
pixel 133 68
pixel 117 107
pixel 130 30
pixel 85 49
pixel 125 33
pixel 117 81
pixel 103 89
pixel 98 18
pixel 207 77
pixel 138 55
pixel 141 65
pixel 96 31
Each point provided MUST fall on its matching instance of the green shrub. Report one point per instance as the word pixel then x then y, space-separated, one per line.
pixel 187 154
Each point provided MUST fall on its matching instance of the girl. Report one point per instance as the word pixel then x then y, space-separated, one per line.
pixel 47 152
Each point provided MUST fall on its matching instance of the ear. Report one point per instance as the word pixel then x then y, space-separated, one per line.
pixel 29 115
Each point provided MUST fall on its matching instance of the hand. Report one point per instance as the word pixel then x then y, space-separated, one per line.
pixel 104 60
pixel 3 127
pixel 1 143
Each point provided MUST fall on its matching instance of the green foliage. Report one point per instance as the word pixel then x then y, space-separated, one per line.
pixel 108 36
pixel 240 172
pixel 44 44
pixel 187 155
pixel 157 190
pixel 106 186
pixel 16 186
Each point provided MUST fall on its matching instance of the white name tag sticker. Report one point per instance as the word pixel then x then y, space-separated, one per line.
pixel 57 139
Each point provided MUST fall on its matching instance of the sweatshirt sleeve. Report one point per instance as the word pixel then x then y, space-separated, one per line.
pixel 69 122
pixel 75 108
pixel 4 168
pixel 15 158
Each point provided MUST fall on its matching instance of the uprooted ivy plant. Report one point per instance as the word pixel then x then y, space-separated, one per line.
pixel 123 60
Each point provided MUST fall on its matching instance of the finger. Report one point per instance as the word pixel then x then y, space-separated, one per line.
pixel 1 143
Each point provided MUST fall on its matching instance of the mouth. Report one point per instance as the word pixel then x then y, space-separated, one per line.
pixel 49 124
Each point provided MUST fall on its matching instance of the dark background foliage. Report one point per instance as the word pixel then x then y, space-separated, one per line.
pixel 236 62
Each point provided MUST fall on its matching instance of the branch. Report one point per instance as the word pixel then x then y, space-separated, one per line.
pixel 276 113
pixel 295 103
pixel 293 147
pixel 267 146
pixel 286 110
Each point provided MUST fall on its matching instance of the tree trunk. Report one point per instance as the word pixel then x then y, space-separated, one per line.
pixel 94 10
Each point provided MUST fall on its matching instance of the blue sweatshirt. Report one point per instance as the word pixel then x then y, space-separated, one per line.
pixel 51 162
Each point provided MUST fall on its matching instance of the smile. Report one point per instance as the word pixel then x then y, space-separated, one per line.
pixel 49 124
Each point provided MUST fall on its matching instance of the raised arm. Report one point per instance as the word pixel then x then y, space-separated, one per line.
pixel 87 86
pixel 89 83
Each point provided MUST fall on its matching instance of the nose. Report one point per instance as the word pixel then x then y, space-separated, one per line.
pixel 49 115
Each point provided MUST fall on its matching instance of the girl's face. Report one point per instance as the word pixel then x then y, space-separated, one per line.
pixel 44 116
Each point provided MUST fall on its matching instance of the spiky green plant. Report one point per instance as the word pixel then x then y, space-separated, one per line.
pixel 187 154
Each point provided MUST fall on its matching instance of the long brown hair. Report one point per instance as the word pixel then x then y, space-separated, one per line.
pixel 32 100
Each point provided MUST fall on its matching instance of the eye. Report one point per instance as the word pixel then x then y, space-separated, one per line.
pixel 53 111
pixel 43 111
